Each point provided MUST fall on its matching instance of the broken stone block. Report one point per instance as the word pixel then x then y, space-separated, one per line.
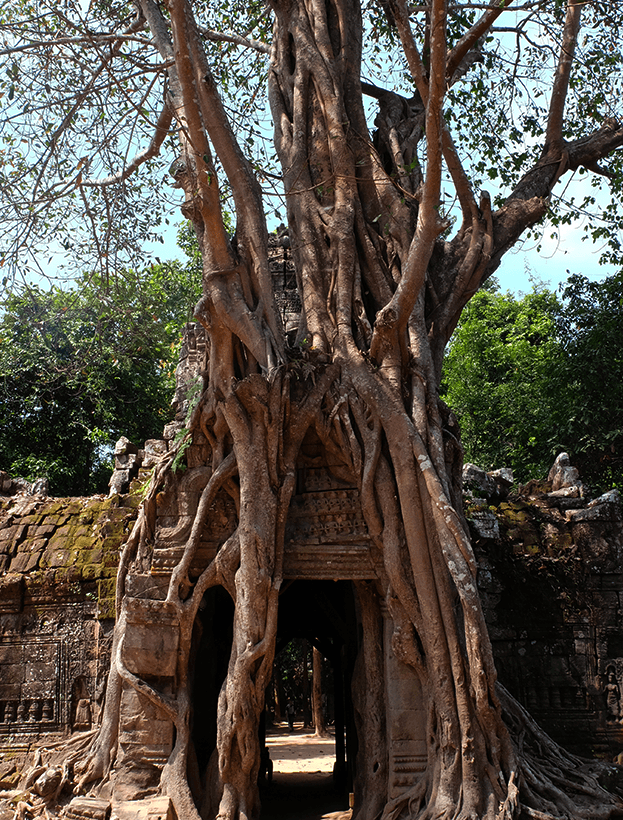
pixel 20 485
pixel 605 508
pixel 154 450
pixel 477 482
pixel 40 486
pixel 124 445
pixel 87 808
pixel 155 808
pixel 48 782
pixel 171 430
pixel 485 523
pixel 128 461
pixel 119 482
pixel 503 479
pixel 563 474
pixel 6 482
pixel 565 492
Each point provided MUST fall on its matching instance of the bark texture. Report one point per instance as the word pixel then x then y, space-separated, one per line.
pixel 381 292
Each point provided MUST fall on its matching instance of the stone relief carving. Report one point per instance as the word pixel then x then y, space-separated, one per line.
pixel 82 721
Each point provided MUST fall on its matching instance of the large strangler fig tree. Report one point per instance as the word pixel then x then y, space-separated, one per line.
pixel 384 266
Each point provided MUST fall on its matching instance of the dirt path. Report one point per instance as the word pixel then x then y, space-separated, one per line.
pixel 302 787
pixel 300 751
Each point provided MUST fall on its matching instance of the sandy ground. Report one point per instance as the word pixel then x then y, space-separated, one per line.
pixel 302 787
pixel 300 752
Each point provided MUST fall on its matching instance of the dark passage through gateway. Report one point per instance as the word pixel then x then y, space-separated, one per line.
pixel 319 614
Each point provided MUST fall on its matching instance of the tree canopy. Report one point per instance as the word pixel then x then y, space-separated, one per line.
pixel 533 375
pixel 83 88
pixel 498 376
pixel 397 211
pixel 80 367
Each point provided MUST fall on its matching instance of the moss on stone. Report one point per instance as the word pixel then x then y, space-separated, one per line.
pixel 106 598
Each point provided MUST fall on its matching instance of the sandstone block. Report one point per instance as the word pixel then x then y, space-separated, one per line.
pixel 154 450
pixel 124 445
pixel 151 639
pixel 87 808
pixel 25 561
pixel 563 474
pixel 155 808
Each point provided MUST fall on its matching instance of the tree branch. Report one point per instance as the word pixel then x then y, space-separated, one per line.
pixel 553 136
pixel 471 37
pixel 161 130
pixel 394 316
pixel 200 185
pixel 93 39
pixel 528 203
pixel 460 179
pixel 246 42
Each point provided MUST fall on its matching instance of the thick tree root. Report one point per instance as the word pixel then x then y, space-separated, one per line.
pixel 554 783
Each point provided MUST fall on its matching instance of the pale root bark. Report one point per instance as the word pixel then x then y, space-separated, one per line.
pixel 318 717
pixel 381 294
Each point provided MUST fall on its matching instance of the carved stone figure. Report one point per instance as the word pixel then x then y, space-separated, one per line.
pixel 83 715
pixel 613 696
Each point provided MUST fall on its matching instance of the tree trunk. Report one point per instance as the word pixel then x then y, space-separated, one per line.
pixel 320 729
pixel 381 292
pixel 307 715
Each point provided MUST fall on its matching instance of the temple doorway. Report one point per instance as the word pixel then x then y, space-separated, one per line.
pixel 312 774
pixel 316 615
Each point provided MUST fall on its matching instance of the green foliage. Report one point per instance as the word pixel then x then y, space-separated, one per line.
pixel 80 367
pixel 293 665
pixel 591 377
pixel 496 376
pixel 535 375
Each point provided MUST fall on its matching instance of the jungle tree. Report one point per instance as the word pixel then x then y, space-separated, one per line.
pixel 79 367
pixel 523 93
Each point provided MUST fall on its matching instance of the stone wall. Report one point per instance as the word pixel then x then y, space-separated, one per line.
pixel 551 579
pixel 58 563
pixel 550 574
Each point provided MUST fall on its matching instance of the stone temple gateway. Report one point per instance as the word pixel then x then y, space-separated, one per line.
pixel 550 576
pixel 328 566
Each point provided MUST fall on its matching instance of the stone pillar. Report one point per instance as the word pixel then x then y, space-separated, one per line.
pixel 406 719
pixel 145 732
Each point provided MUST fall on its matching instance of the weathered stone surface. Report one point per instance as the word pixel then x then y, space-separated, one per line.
pixel 119 482
pixel 128 461
pixel 154 450
pixel 150 646
pixel 124 446
pixel 155 808
pixel 56 592
pixel 549 574
pixel 87 808
pixel 48 782
pixel 477 482
pixel 552 589
pixel 485 523
pixel 563 474
pixel 40 486
pixel 492 485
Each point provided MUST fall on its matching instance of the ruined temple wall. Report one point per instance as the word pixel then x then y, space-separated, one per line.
pixel 550 575
pixel 58 563
pixel 551 581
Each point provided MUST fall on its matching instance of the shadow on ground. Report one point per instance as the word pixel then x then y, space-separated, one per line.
pixel 302 786
pixel 303 796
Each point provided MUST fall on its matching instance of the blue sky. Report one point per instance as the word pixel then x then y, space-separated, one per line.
pixel 553 262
